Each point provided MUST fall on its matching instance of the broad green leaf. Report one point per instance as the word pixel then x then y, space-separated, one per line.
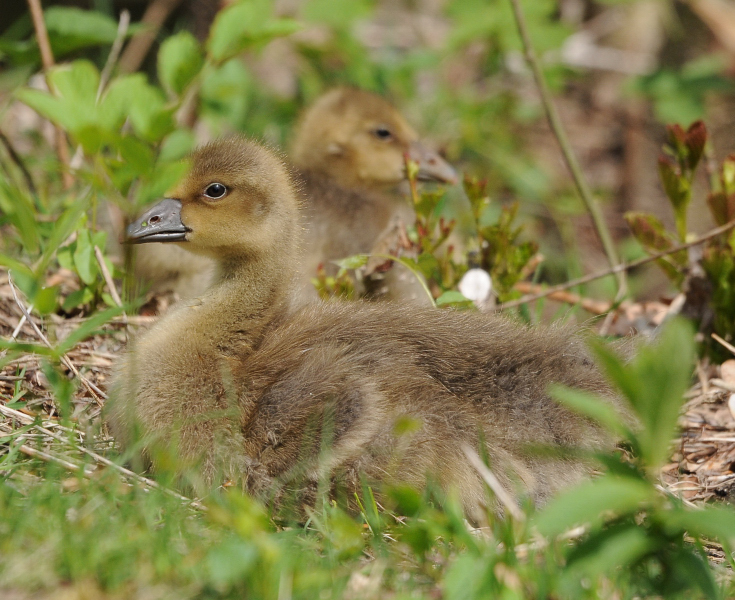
pixel 712 522
pixel 85 262
pixel 179 61
pixel 609 549
pixel 654 383
pixel 87 328
pixel 77 28
pixel 453 297
pixel 588 503
pixel 177 145
pixel 245 24
pixel 46 299
pixel 592 407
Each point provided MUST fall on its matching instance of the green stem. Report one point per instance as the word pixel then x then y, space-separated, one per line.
pixel 556 126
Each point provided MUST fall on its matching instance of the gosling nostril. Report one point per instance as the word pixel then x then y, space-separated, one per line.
pixel 432 161
pixel 154 219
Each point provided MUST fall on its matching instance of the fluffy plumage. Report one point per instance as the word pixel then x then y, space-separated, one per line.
pixel 251 387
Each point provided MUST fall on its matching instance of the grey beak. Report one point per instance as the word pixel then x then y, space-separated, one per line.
pixel 432 167
pixel 161 223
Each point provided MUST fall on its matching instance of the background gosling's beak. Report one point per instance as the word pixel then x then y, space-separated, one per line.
pixel 432 167
pixel 161 223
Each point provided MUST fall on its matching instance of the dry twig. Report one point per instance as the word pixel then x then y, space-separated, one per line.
pixel 489 477
pixel 566 148
pixel 153 19
pixel 621 267
pixel 47 59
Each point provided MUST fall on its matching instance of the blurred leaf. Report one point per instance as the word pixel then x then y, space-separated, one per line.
pixel 244 24
pixel 353 262
pixel 654 383
pixel 45 300
pixel 85 262
pixel 588 503
pixel 615 547
pixel 90 326
pixel 722 207
pixel 179 61
pixel 592 407
pixel 20 209
pixel 454 298
pixel 713 522
pixel 336 13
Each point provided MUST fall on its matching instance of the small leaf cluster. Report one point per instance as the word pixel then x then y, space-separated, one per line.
pixel 125 131
pixel 678 167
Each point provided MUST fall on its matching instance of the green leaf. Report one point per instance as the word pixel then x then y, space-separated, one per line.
pixel 72 28
pixel 46 299
pixel 243 25
pixel 21 211
pixel 453 298
pixel 85 261
pixel 87 328
pixel 654 383
pixel 712 522
pixel 78 298
pixel 588 502
pixel 590 406
pixel 610 549
pixel 353 262
pixel 179 61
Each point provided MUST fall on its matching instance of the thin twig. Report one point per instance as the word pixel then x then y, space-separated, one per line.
pixel 110 284
pixel 108 278
pixel 93 389
pixel 566 148
pixel 112 57
pixel 489 477
pixel 15 157
pixel 153 19
pixel 617 268
pixel 725 343
pixel 47 60
pixel 45 456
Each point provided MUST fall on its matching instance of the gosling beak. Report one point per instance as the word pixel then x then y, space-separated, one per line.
pixel 432 167
pixel 161 223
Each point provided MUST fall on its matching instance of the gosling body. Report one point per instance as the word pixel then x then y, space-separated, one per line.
pixel 252 389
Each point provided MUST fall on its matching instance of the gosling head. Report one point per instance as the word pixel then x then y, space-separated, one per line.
pixel 236 201
pixel 359 139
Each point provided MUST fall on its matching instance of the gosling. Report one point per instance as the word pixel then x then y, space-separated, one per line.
pixel 252 390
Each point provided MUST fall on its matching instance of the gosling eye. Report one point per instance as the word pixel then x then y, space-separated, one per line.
pixel 382 133
pixel 215 191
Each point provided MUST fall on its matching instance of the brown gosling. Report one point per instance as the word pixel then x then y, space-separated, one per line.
pixel 350 148
pixel 251 389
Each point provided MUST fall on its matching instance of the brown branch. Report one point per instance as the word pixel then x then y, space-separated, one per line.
pixel 47 60
pixel 566 148
pixel 597 307
pixel 138 47
pixel 618 268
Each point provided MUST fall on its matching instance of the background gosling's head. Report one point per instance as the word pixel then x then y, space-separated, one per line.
pixel 236 201
pixel 358 139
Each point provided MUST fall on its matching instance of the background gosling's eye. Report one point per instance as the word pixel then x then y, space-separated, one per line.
pixel 383 133
pixel 215 191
